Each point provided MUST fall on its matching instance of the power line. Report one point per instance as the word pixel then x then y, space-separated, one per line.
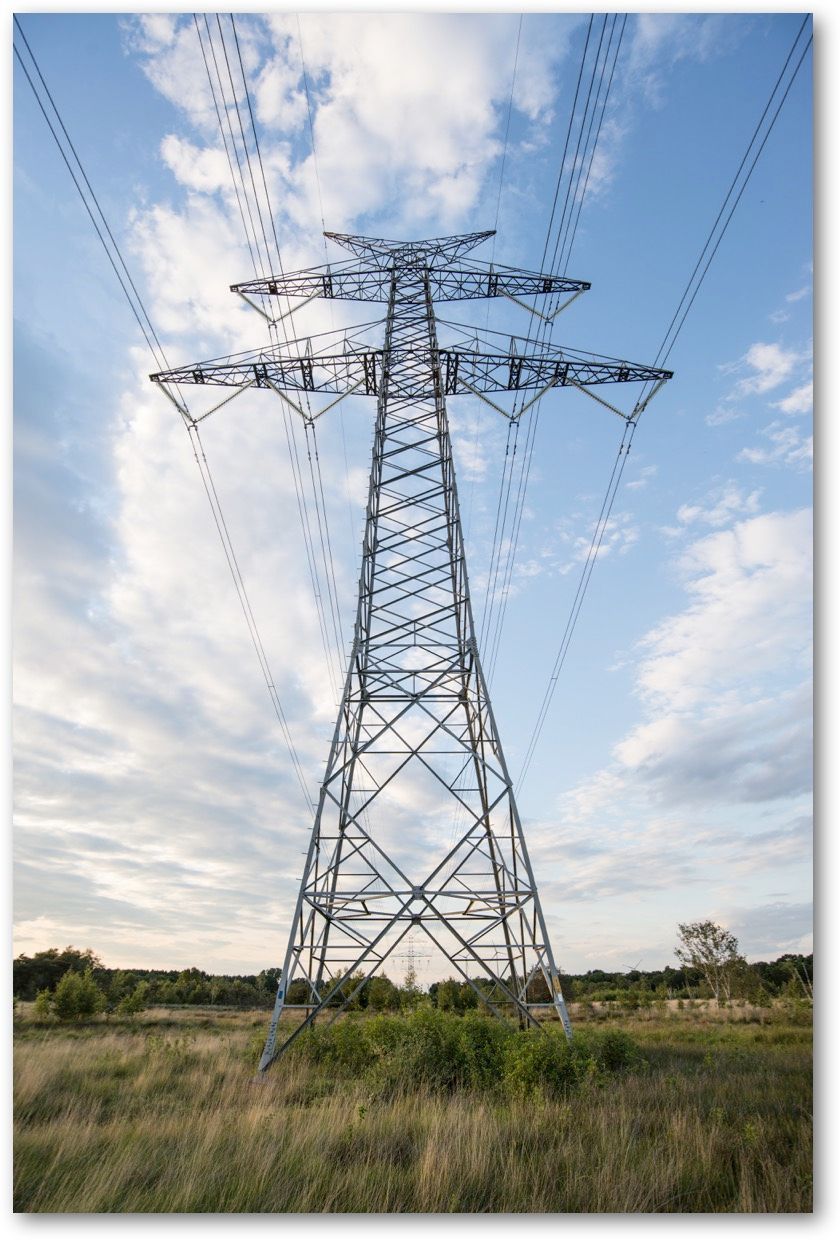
pixel 563 227
pixel 245 602
pixel 663 352
pixel 513 427
pixel 138 309
pixel 598 533
pixel 495 602
pixel 566 145
pixel 317 484
pixel 545 327
pixel 257 145
pixel 318 498
pixel 564 263
pixel 662 356
pixel 491 600
pixel 235 96
pixel 224 137
pixel 227 110
pixel 507 133
pixel 311 128
pixel 495 231
pixel 326 255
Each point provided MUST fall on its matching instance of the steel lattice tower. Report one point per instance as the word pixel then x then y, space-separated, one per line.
pixel 415 711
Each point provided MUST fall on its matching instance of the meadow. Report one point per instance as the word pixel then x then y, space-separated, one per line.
pixel 664 1110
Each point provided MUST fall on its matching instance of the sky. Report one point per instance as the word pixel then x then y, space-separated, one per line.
pixel 158 820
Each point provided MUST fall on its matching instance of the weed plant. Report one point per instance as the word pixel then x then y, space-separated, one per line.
pixel 425 1113
pixel 441 1052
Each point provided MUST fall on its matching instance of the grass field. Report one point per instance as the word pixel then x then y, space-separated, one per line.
pixel 163 1114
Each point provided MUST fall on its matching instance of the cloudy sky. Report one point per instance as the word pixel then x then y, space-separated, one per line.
pixel 158 819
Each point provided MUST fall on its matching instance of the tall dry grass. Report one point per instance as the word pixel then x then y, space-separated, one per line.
pixel 165 1116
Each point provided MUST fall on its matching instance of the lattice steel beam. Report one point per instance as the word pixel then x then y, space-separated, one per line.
pixel 461 371
pixel 373 283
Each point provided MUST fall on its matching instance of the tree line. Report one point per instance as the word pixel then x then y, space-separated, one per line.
pixel 70 983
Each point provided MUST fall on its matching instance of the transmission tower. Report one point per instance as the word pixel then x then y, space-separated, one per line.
pixel 415 742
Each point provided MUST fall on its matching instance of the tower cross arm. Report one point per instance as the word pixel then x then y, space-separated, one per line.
pixel 330 373
pixel 464 371
pixel 449 282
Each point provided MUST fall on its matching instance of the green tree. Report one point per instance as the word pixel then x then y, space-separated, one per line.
pixel 45 969
pixel 469 999
pixel 66 997
pixel 77 996
pixel 360 998
pixel 410 991
pixel 122 984
pixel 382 994
pixel 43 1004
pixel 90 998
pixel 167 993
pixel 713 950
pixel 449 996
pixel 137 1001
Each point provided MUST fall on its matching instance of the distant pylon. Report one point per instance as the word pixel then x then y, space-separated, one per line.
pixel 417 825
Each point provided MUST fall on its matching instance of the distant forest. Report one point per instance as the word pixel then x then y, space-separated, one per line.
pixel 790 975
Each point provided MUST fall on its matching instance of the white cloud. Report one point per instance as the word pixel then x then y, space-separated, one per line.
pixel 716 729
pixel 752 752
pixel 173 63
pixel 770 930
pixel 788 447
pixel 202 168
pixel 768 365
pixel 434 141
pixel 662 40
pixel 280 94
pixel 800 400
pixel 722 414
pixel 620 534
pixel 707 796
pixel 771 365
pixel 645 474
pixel 750 590
pixel 720 506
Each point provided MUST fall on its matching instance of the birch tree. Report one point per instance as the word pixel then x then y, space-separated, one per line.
pixel 714 951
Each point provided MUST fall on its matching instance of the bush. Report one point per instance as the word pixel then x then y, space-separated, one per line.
pixel 43 1004
pixel 383 994
pixel 543 1062
pixel 485 1041
pixel 136 1002
pixel 445 1052
pixel 613 1051
pixel 77 996
pixel 538 1061
pixel 342 1046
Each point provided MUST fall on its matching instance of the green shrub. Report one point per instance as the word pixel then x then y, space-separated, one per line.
pixel 77 996
pixel 613 1050
pixel 543 1062
pixel 485 1041
pixel 43 1004
pixel 423 1047
pixel 538 1061
pixel 445 1052
pixel 343 1045
pixel 137 1001
pixel 383 994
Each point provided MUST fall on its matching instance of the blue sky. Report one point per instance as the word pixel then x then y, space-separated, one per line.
pixel 157 818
